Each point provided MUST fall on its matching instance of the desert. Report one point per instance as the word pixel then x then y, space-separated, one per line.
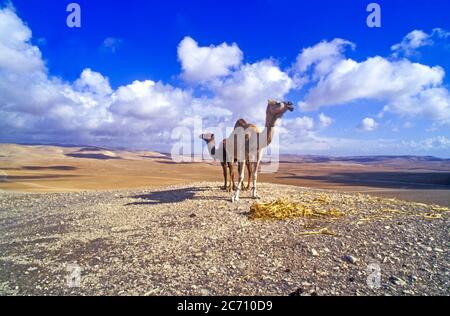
pixel 241 151
pixel 137 224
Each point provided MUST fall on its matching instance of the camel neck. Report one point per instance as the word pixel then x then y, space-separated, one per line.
pixel 212 148
pixel 269 130
pixel 270 121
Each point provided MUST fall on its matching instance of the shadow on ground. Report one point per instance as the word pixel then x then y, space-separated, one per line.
pixel 175 195
pixel 174 163
pixel 92 156
pixel 39 177
pixel 33 168
pixel 167 196
pixel 62 168
pixel 391 180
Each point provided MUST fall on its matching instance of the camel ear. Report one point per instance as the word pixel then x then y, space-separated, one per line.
pixel 212 136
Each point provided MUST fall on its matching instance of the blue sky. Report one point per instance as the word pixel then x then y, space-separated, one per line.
pixel 131 52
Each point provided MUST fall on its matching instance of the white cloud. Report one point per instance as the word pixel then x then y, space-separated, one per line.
pixel 375 78
pixel 36 106
pixel 438 142
pixel 368 124
pixel 94 82
pixel 411 42
pixel 293 133
pixel 148 99
pixel 403 87
pixel 299 124
pixel 201 64
pixel 406 88
pixel 319 145
pixel 440 33
pixel 324 120
pixel 16 52
pixel 87 110
pixel 323 56
pixel 416 39
pixel 247 90
pixel 433 103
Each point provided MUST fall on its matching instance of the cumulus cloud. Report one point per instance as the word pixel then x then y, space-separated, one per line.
pixel 324 120
pixel 36 106
pixel 323 56
pixel 16 52
pixel 304 123
pixel 90 110
pixel 406 88
pixel 148 99
pixel 247 90
pixel 201 64
pixel 374 78
pixel 368 124
pixel 433 103
pixel 94 82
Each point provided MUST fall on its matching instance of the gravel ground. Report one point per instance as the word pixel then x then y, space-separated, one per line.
pixel 191 240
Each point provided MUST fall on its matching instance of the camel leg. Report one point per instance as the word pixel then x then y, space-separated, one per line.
pixel 225 174
pixel 255 177
pixel 248 165
pixel 241 169
pixel 232 180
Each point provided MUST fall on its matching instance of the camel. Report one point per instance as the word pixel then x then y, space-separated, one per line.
pixel 255 141
pixel 227 160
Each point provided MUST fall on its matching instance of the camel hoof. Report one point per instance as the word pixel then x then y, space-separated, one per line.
pixel 255 196
pixel 224 188
pixel 234 198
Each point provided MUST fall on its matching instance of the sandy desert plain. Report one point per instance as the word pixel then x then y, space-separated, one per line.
pixel 136 223
pixel 60 169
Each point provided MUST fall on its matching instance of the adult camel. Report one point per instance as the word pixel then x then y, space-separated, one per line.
pixel 256 141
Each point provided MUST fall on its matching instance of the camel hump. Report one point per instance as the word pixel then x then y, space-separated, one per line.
pixel 241 123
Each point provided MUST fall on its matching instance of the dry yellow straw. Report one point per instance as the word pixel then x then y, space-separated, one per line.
pixel 280 210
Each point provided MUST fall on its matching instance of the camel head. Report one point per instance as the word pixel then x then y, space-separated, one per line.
pixel 208 137
pixel 276 109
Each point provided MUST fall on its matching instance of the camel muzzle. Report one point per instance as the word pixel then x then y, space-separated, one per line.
pixel 290 107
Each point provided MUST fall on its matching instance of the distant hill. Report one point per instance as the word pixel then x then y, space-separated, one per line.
pixel 283 157
pixel 359 159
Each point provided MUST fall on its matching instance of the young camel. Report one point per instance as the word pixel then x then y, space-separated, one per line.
pixel 255 141
pixel 227 158
pixel 225 161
